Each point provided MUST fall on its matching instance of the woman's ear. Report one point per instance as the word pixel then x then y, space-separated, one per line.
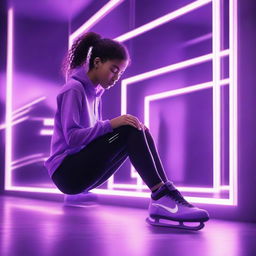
pixel 97 62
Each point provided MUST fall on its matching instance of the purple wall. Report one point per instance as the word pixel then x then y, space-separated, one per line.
pixel 247 104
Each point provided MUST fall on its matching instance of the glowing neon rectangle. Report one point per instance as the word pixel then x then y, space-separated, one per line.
pixel 215 56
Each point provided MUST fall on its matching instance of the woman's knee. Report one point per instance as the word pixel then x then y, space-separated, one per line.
pixel 128 129
pixel 133 130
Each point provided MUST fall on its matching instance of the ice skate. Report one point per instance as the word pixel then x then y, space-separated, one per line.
pixel 168 208
pixel 84 198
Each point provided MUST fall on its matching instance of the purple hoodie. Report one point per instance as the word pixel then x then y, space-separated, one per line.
pixel 78 119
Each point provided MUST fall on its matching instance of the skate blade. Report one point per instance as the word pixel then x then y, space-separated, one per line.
pixel 155 222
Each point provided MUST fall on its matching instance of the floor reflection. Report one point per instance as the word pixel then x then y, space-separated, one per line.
pixel 37 227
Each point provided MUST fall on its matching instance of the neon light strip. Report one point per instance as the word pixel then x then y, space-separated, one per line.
pixel 181 91
pixel 9 83
pixel 216 94
pixel 29 104
pixel 184 189
pixel 225 187
pixel 207 200
pixel 134 174
pixel 26 158
pixel 216 201
pixel 20 120
pixel 39 119
pixel 127 186
pixel 164 19
pixel 110 183
pixel 139 183
pixel 46 132
pixel 94 19
pixel 3 126
pixel 233 122
pixel 37 160
pixel 35 189
pixel 21 111
pixel 160 71
pixel 20 114
pixel 198 40
pixel 48 121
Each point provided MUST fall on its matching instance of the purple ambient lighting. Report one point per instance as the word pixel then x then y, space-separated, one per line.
pixel 215 84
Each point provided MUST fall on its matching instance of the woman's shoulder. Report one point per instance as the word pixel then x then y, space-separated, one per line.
pixel 71 84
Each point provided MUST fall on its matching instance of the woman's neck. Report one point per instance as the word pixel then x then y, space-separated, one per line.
pixel 93 78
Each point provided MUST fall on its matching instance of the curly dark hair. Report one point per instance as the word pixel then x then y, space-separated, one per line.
pixel 104 48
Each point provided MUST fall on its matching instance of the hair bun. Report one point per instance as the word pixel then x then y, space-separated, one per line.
pixel 93 38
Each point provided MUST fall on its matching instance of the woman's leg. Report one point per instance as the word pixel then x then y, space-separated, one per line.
pixel 102 157
pixel 82 170
pixel 145 158
pixel 116 164
pixel 146 145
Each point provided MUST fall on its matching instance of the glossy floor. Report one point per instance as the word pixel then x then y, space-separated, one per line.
pixel 37 227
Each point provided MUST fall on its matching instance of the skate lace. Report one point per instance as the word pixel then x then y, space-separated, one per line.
pixel 176 195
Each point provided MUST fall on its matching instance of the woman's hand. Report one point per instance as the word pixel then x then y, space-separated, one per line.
pixel 127 120
pixel 145 127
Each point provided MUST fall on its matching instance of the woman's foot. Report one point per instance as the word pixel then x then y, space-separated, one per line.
pixel 167 205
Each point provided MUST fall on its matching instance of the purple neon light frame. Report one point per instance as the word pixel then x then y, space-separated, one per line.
pixel 215 84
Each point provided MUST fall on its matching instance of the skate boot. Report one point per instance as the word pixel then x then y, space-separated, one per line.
pixel 168 208
pixel 84 198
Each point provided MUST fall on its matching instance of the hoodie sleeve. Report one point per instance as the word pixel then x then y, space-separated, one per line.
pixel 70 115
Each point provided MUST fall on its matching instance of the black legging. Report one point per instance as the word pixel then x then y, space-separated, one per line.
pixel 102 157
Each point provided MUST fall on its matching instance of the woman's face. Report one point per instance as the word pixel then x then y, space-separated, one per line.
pixel 109 72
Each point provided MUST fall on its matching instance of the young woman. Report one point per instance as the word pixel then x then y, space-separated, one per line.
pixel 86 150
